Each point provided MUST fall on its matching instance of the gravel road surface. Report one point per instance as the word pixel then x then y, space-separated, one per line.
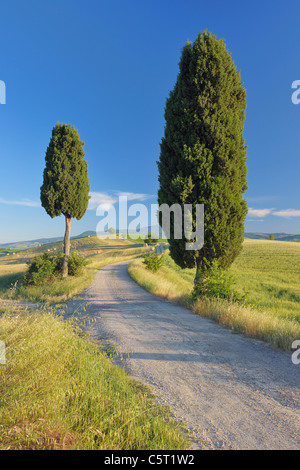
pixel 232 392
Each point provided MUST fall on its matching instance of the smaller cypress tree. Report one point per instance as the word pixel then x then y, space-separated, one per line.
pixel 65 188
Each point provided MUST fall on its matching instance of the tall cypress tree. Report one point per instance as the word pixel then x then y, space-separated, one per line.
pixel 203 153
pixel 65 188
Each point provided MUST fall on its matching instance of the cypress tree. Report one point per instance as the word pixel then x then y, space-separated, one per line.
pixel 65 188
pixel 203 153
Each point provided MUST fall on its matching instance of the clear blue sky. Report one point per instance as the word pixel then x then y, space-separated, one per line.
pixel 107 68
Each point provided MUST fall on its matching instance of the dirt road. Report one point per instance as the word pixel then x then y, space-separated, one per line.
pixel 233 392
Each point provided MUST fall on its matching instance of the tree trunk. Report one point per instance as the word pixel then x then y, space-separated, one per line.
pixel 66 247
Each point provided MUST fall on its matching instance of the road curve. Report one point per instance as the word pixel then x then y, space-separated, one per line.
pixel 233 392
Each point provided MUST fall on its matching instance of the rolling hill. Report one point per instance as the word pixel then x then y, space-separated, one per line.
pixel 23 245
pixel 284 237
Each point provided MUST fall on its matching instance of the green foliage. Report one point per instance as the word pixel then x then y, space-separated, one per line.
pixel 203 153
pixel 41 268
pixel 65 188
pixel 46 268
pixel 153 261
pixel 76 264
pixel 215 282
pixel 271 237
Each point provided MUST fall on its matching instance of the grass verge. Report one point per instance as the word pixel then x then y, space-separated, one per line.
pixel 58 391
pixel 175 284
pixel 60 290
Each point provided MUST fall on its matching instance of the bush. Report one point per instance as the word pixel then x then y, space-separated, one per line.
pixel 41 268
pixel 215 282
pixel 153 261
pixel 76 263
pixel 45 267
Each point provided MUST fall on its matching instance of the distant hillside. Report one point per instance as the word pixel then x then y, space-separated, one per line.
pixel 285 237
pixel 41 241
pixel 89 233
pixel 144 231
pixel 24 245
pixel 30 244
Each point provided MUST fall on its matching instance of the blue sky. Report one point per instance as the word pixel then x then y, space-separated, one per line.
pixel 107 67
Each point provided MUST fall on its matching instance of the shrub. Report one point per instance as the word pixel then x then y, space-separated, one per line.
pixel 40 269
pixel 153 261
pixel 76 263
pixel 45 267
pixel 215 282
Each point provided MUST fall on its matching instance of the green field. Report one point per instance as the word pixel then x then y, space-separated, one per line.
pixel 268 271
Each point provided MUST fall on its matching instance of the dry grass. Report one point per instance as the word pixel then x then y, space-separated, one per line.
pixel 164 283
pixel 98 253
pixel 279 332
pixel 269 271
pixel 59 391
